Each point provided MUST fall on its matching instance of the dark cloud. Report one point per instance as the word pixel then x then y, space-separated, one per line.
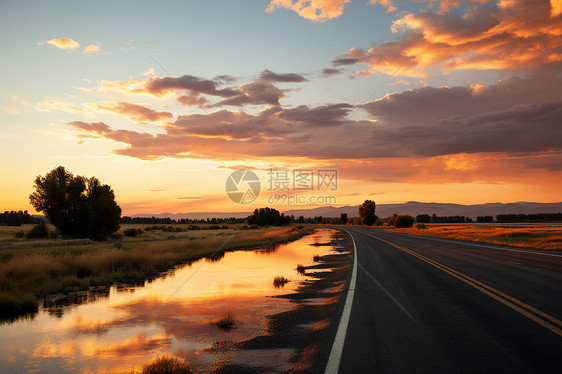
pixel 270 76
pixel 329 72
pixel 345 61
pixel 256 93
pixel 160 86
pixel 224 79
pixel 326 115
pixel 518 116
pixel 135 112
pixel 428 105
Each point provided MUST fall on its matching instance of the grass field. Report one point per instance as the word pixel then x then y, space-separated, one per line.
pixel 27 274
pixel 546 236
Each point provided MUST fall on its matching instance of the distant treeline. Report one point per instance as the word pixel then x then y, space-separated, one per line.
pixel 529 217
pixel 426 218
pixel 183 221
pixel 18 218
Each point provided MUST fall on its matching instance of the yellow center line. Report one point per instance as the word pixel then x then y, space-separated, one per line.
pixel 503 298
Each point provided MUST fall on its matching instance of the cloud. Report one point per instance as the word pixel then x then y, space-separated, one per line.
pixel 328 72
pixel 512 35
pixel 515 116
pixel 135 112
pixel 92 48
pixel 160 86
pixel 270 76
pixel 257 93
pixel 64 43
pixel 195 91
pixel 389 4
pixel 224 79
pixel 149 72
pixel 314 10
pixel 326 115
pixel 57 105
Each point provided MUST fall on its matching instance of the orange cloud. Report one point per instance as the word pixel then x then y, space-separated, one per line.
pixel 135 112
pixel 90 49
pixel 514 35
pixel 314 10
pixel 386 3
pixel 58 105
pixel 64 43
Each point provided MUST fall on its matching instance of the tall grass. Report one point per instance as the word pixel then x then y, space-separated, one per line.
pixel 26 275
pixel 165 365
pixel 226 322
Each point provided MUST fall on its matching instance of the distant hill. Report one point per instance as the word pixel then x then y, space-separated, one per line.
pixel 384 210
pixel 414 208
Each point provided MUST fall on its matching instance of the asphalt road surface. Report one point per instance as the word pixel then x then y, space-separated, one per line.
pixel 428 305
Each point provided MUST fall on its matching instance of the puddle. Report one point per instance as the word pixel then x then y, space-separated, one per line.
pixel 118 329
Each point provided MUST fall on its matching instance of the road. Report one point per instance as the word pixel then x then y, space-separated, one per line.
pixel 427 305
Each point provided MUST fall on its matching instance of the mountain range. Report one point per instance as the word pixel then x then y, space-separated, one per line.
pixel 384 210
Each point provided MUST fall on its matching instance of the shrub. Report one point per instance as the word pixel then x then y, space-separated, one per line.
pixel 19 234
pixel 378 222
pixel 421 226
pixel 403 220
pixel 166 365
pixel 301 269
pixel 279 281
pixel 226 322
pixel 132 232
pixel 39 231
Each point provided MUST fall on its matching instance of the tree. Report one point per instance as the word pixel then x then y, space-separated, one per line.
pixel 77 206
pixel 343 218
pixel 423 218
pixel 268 217
pixel 367 212
pixel 403 220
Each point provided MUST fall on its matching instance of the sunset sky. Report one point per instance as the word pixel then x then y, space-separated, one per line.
pixel 452 101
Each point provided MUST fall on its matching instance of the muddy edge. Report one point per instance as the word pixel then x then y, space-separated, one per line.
pixel 311 326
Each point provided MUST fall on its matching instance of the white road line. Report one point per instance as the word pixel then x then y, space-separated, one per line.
pixel 335 354
pixel 499 248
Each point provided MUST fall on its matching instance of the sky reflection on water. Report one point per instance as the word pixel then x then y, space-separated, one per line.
pixel 115 331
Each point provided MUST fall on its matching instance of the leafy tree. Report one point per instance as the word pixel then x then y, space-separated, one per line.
pixel 77 206
pixel 268 217
pixel 403 220
pixel 343 218
pixel 367 212
pixel 423 218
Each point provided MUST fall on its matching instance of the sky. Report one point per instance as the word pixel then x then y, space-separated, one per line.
pixel 450 101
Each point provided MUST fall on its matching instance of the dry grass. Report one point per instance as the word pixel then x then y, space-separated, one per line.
pixel 165 365
pixel 226 322
pixel 37 272
pixel 546 236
